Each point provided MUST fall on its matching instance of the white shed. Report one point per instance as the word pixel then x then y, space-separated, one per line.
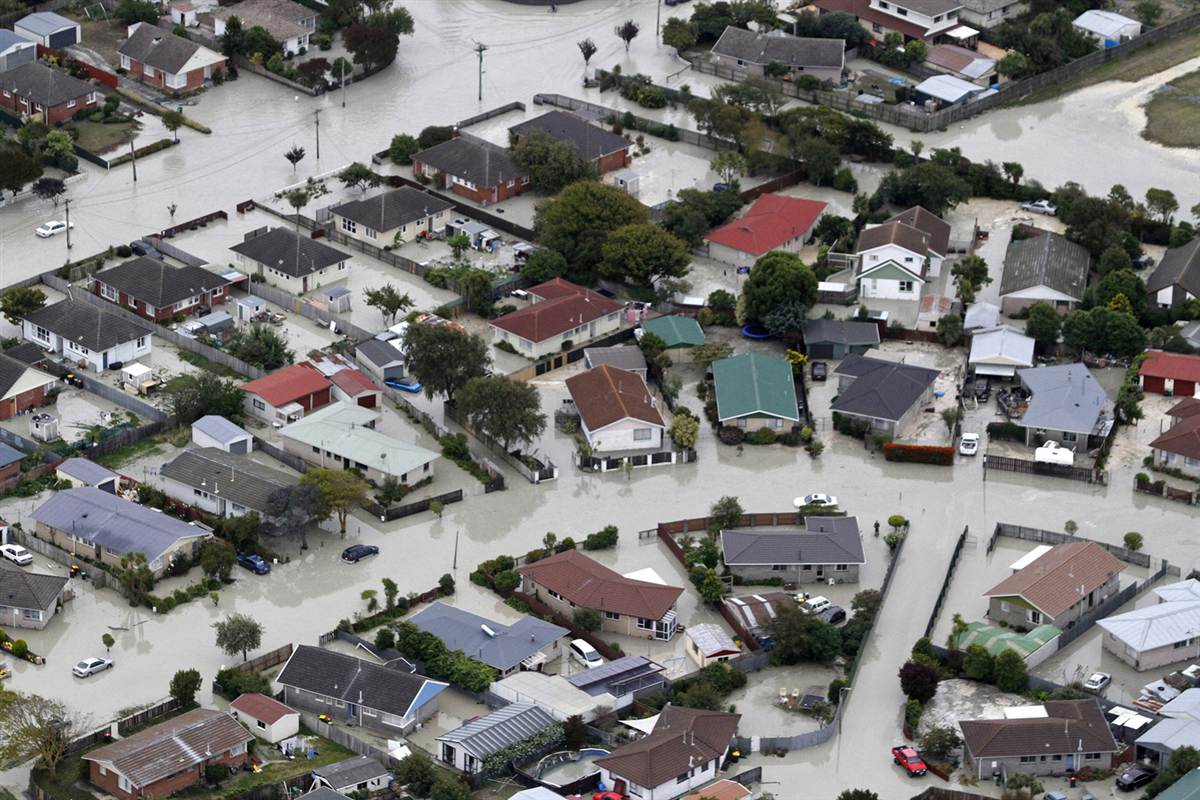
pixel 1107 27
pixel 266 717
pixel 216 431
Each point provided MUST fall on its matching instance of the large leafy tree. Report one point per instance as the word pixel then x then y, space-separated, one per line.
pixel 918 681
pixel 21 301
pixel 643 253
pixel 341 491
pixel 260 346
pixel 184 685
pixel 802 637
pixel 579 220
pixel 778 278
pixel 1043 326
pixel 928 184
pixel 17 168
pixel 217 559
pixel 192 396
pixel 508 411
pixel 372 47
pixel 36 727
pixel 291 510
pixel 551 164
pixel 389 300
pixel 543 265
pixel 443 358
pixel 693 212
pixel 238 633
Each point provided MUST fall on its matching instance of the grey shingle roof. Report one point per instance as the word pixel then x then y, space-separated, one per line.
pixel 11 371
pixel 44 85
pixel 331 674
pixel 85 324
pixel 622 357
pixel 823 540
pixel 792 51
pixel 85 471
pixel 159 48
pixel 840 331
pixel 389 210
pixel 473 159
pixel 1066 397
pixel 9 455
pixel 508 647
pixel 235 478
pixel 1180 266
pixel 21 589
pixel 1046 260
pixel 881 389
pixel 284 250
pixel 589 141
pixel 351 772
pixel 26 353
pixel 44 22
pixel 157 283
pixel 219 428
pixel 379 352
pixel 930 8
pixel 500 729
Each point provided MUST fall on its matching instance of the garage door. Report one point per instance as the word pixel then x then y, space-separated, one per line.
pixel 822 350
pixel 241 448
pixel 62 39
pixel 1155 385
pixel 367 402
pixel 1185 388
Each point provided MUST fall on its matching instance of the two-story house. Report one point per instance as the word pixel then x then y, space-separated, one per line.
pixel 157 291
pixel 1057 588
pixel 912 19
pixel 400 215
pixel 88 335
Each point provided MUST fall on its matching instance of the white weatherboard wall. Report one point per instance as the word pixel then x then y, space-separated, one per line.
pixel 620 436
pixel 891 252
pixel 699 776
pixel 96 360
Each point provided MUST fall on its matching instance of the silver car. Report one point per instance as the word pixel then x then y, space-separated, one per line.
pixel 90 666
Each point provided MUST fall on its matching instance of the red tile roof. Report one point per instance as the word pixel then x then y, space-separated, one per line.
pixel 288 384
pixel 1171 365
pixel 555 288
pixel 773 220
pixel 1182 438
pixel 605 395
pixel 353 382
pixel 262 708
pixel 1061 578
pixel 590 584
pixel 566 306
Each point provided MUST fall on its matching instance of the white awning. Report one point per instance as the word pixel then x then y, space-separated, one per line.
pixel 644 725
pixel 962 32
pixel 996 370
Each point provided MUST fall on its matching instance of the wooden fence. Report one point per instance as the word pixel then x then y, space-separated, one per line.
pixel 945 590
pixel 310 309
pixel 1137 558
pixel 392 513
pixel 1160 488
pixel 1028 467
pixel 266 660
pixel 191 225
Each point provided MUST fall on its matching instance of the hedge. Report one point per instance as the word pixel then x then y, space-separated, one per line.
pixel 919 453
pixel 1009 431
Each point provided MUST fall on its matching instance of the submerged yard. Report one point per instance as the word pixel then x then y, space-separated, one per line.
pixel 1173 113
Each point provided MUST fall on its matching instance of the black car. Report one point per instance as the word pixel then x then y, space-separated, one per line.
pixel 983 389
pixel 1135 776
pixel 357 552
pixel 834 615
pixel 819 371
pixel 254 562
pixel 141 247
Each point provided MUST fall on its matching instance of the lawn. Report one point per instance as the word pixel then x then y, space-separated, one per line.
pixel 150 446
pixel 243 782
pixel 1173 113
pixel 199 361
pixel 100 137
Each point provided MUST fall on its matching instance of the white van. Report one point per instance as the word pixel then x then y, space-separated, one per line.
pixel 585 654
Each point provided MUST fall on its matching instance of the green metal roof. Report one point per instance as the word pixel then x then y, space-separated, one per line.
pixel 676 331
pixel 997 640
pixel 1186 788
pixel 753 383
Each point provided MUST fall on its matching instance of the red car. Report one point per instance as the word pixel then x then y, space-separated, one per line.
pixel 910 759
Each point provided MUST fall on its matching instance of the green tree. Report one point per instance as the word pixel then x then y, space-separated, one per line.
pixel 295 155
pixel 135 578
pixel 1114 259
pixel 778 277
pixel 627 31
pixel 580 219
pixel 705 354
pixel 643 253
pixel 130 12
pixel 298 199
pixel 1009 672
pixel 17 168
pixel 1123 282
pixel 685 430
pixel 370 46
pixel 385 638
pixel 49 189
pixel 341 491
pixel 711 587
pixel 260 43
pixel 977 663
pixel 974 269
pixel 950 330
pixel 459 243
pixel 190 397
pixel 679 34
pixel 587 48
pixel 416 772
pixel 1183 760
pixel 930 184
pixel 358 176
pixel 35 727
pixel 587 618
pixel 1133 541
pixel 371 597
pixel 918 681
pixel 543 265
pixel 402 148
pixel 729 164
pixel 1043 326
pixel 551 164
pixel 108 641
pixel 1014 171
pixel 291 509
pixel 941 741
pixel 802 637
pixel 233 40
pixel 821 159
pixel 725 513
pixel 509 411
pixel 1162 202
pixel 238 633
pixel 217 559
pixel 448 786
pixel 173 121
pixel 21 301
pixel 444 359
pixel 434 135
pixel 857 794
pixel 394 19
pixel 389 300
pixel 390 591
pixel 184 685
pixel 260 346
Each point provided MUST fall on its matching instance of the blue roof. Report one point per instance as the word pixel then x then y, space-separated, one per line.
pixel 9 456
pixel 219 428
pixel 87 472
pixel 44 22
pixel 508 647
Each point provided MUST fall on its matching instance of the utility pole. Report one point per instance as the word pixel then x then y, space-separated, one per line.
pixel 317 122
pixel 343 71
pixel 68 202
pixel 133 160
pixel 480 48
pixel 658 20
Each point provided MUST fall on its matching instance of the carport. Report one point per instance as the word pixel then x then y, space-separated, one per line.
pixel 1166 737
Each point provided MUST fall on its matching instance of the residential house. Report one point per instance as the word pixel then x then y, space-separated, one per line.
pixel 357 774
pixel 1046 268
pixel 1178 447
pixel 893 262
pixel 1033 646
pixel 749 54
pixel 287 394
pixel 618 414
pixel 1156 745
pixel 294 263
pixel 1170 374
pixel 528 643
pixel 626 357
pixel 990 13
pixel 838 338
pixel 222 483
pixel 172 63
pixel 105 528
pixel 344 435
pixel 1000 353
pixel 1176 279
pixel 708 643
pixel 1107 27
pixel 399 215
pixel 569 580
pixel 352 386
pixel 48 29
pixel 168 757
pixel 754 612
pixel 554 694
pixel 565 315
pixel 87 335
pixel 1058 588
pixel 23 387
pixel 379 697
pixel 48 95
pixel 153 289
pixel 886 394
pixel 27 599
pixel 266 717
pixel 968 65
pixel 1068 405
pixel 619 681
pixel 606 150
pixel 1064 735
pixel 755 391
pixel 82 472
pixel 773 222
pixel 823 549
pixel 473 168
pixel 212 430
pixel 1186 788
pixel 468 747
pixel 1154 636
pixel 944 91
pixel 981 317
pixel 289 23
pixel 15 50
pixel 679 333
pixel 684 751
pixel 912 19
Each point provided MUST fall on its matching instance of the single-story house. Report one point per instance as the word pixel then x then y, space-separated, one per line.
pixel 684 751
pixel 754 612
pixel 172 63
pixel 289 23
pixel 213 430
pixel 48 29
pixel 1154 636
pixel 911 19
pixel 824 549
pixel 749 54
pixel 623 356
pixel 679 333
pixel 382 358
pixel 838 338
pixel 1065 735
pixel 45 94
pixel 621 680
pixel 773 222
pixel 981 317
pixel 1179 445
pixel 294 263
pixel 1107 27
pixel 593 144
pixel 87 335
pixel 159 292
pixel 357 774
pixel 266 717
pixel 570 579
pixel 567 315
pixel 886 394
pixel 1046 268
pixel 15 50
pixel 399 215
pixel 1058 588
pixel 1068 405
pixel 361 692
pixel 617 412
pixel 755 391
pixel 945 91
pixel 473 168
pixel 352 386
pixel 469 746
pixel 287 394
pixel 222 483
pixel 1165 737
pixel 1170 374
pixel 105 527
pixel 1033 647
pixel 528 643
pixel 28 599
pixel 1176 278
pixel 344 435
pixel 1000 353
pixel 168 757
pixel 708 643
pixel 968 65
pixel 23 387
pixel 83 472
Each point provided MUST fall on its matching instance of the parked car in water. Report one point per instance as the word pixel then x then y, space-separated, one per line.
pixel 816 499
pixel 813 606
pixel 1040 207
pixel 404 386
pixel 983 389
pixel 1135 776
pixel 254 562
pixel 90 666
pixel 357 552
pixel 834 615
pixel 16 554
pixel 585 654
pixel 968 445
pixel 910 759
pixel 52 228
pixel 1097 682
pixel 819 370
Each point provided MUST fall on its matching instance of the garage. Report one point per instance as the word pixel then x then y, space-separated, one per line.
pixel 1155 384
pixel 48 29
pixel 1170 373
pixel 1185 388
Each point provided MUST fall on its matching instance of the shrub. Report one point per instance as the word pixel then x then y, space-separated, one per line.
pixel 919 681
pixel 215 773
pixel 850 426
pixel 729 434
pixel 977 663
pixel 602 539
pixel 587 618
pixel 385 638
pixel 517 604
pixel 123 251
pixel 808 83
pixel 1133 541
pixel 1008 431
pixel 506 581
pixel 506 347
pixel 761 436
pixel 446 585
pixel 912 713
pixel 919 454
pixel 651 97
pixel 20 648
pixel 1010 673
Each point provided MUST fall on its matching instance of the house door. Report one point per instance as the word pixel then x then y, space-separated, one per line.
pixel 1070 758
pixel 820 571
pixel 351 711
pixel 305 285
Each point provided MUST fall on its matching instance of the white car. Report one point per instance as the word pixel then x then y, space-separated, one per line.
pixel 968 445
pixel 815 605
pixel 90 666
pixel 1097 682
pixel 585 654
pixel 48 229
pixel 816 499
pixel 16 554
pixel 1041 207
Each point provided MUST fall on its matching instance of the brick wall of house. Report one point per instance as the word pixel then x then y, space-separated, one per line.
pixel 216 297
pixel 52 116
pixel 10 472
pixel 613 161
pixel 34 398
pixel 109 781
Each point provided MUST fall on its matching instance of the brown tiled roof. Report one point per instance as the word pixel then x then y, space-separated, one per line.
pixel 1071 726
pixel 894 232
pixel 682 738
pixel 566 306
pixel 1061 577
pixel 590 584
pixel 1188 407
pixel 723 789
pixel 1182 438
pixel 937 228
pixel 262 708
pixel 179 743
pixel 605 395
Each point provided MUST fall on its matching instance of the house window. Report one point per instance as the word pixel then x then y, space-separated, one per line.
pixel 902 12
pixel 141 342
pixel 775 423
pixel 124 62
pixel 370 232
pixel 841 568
pixel 124 783
pixel 611 615
pixel 133 304
pixel 682 778
pixel 41 333
pixel 778 567
pixel 645 624
pixel 349 225
pixel 1192 462
pixel 1004 606
pixel 260 405
pixel 31 613
pixel 906 286
pixel 1034 617
pixel 149 71
pixel 1028 759
pixel 554 594
pixel 1183 644
pixel 641 435
pixel 1092 757
pixel 70 104
pixel 108 292
pixel 261 725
